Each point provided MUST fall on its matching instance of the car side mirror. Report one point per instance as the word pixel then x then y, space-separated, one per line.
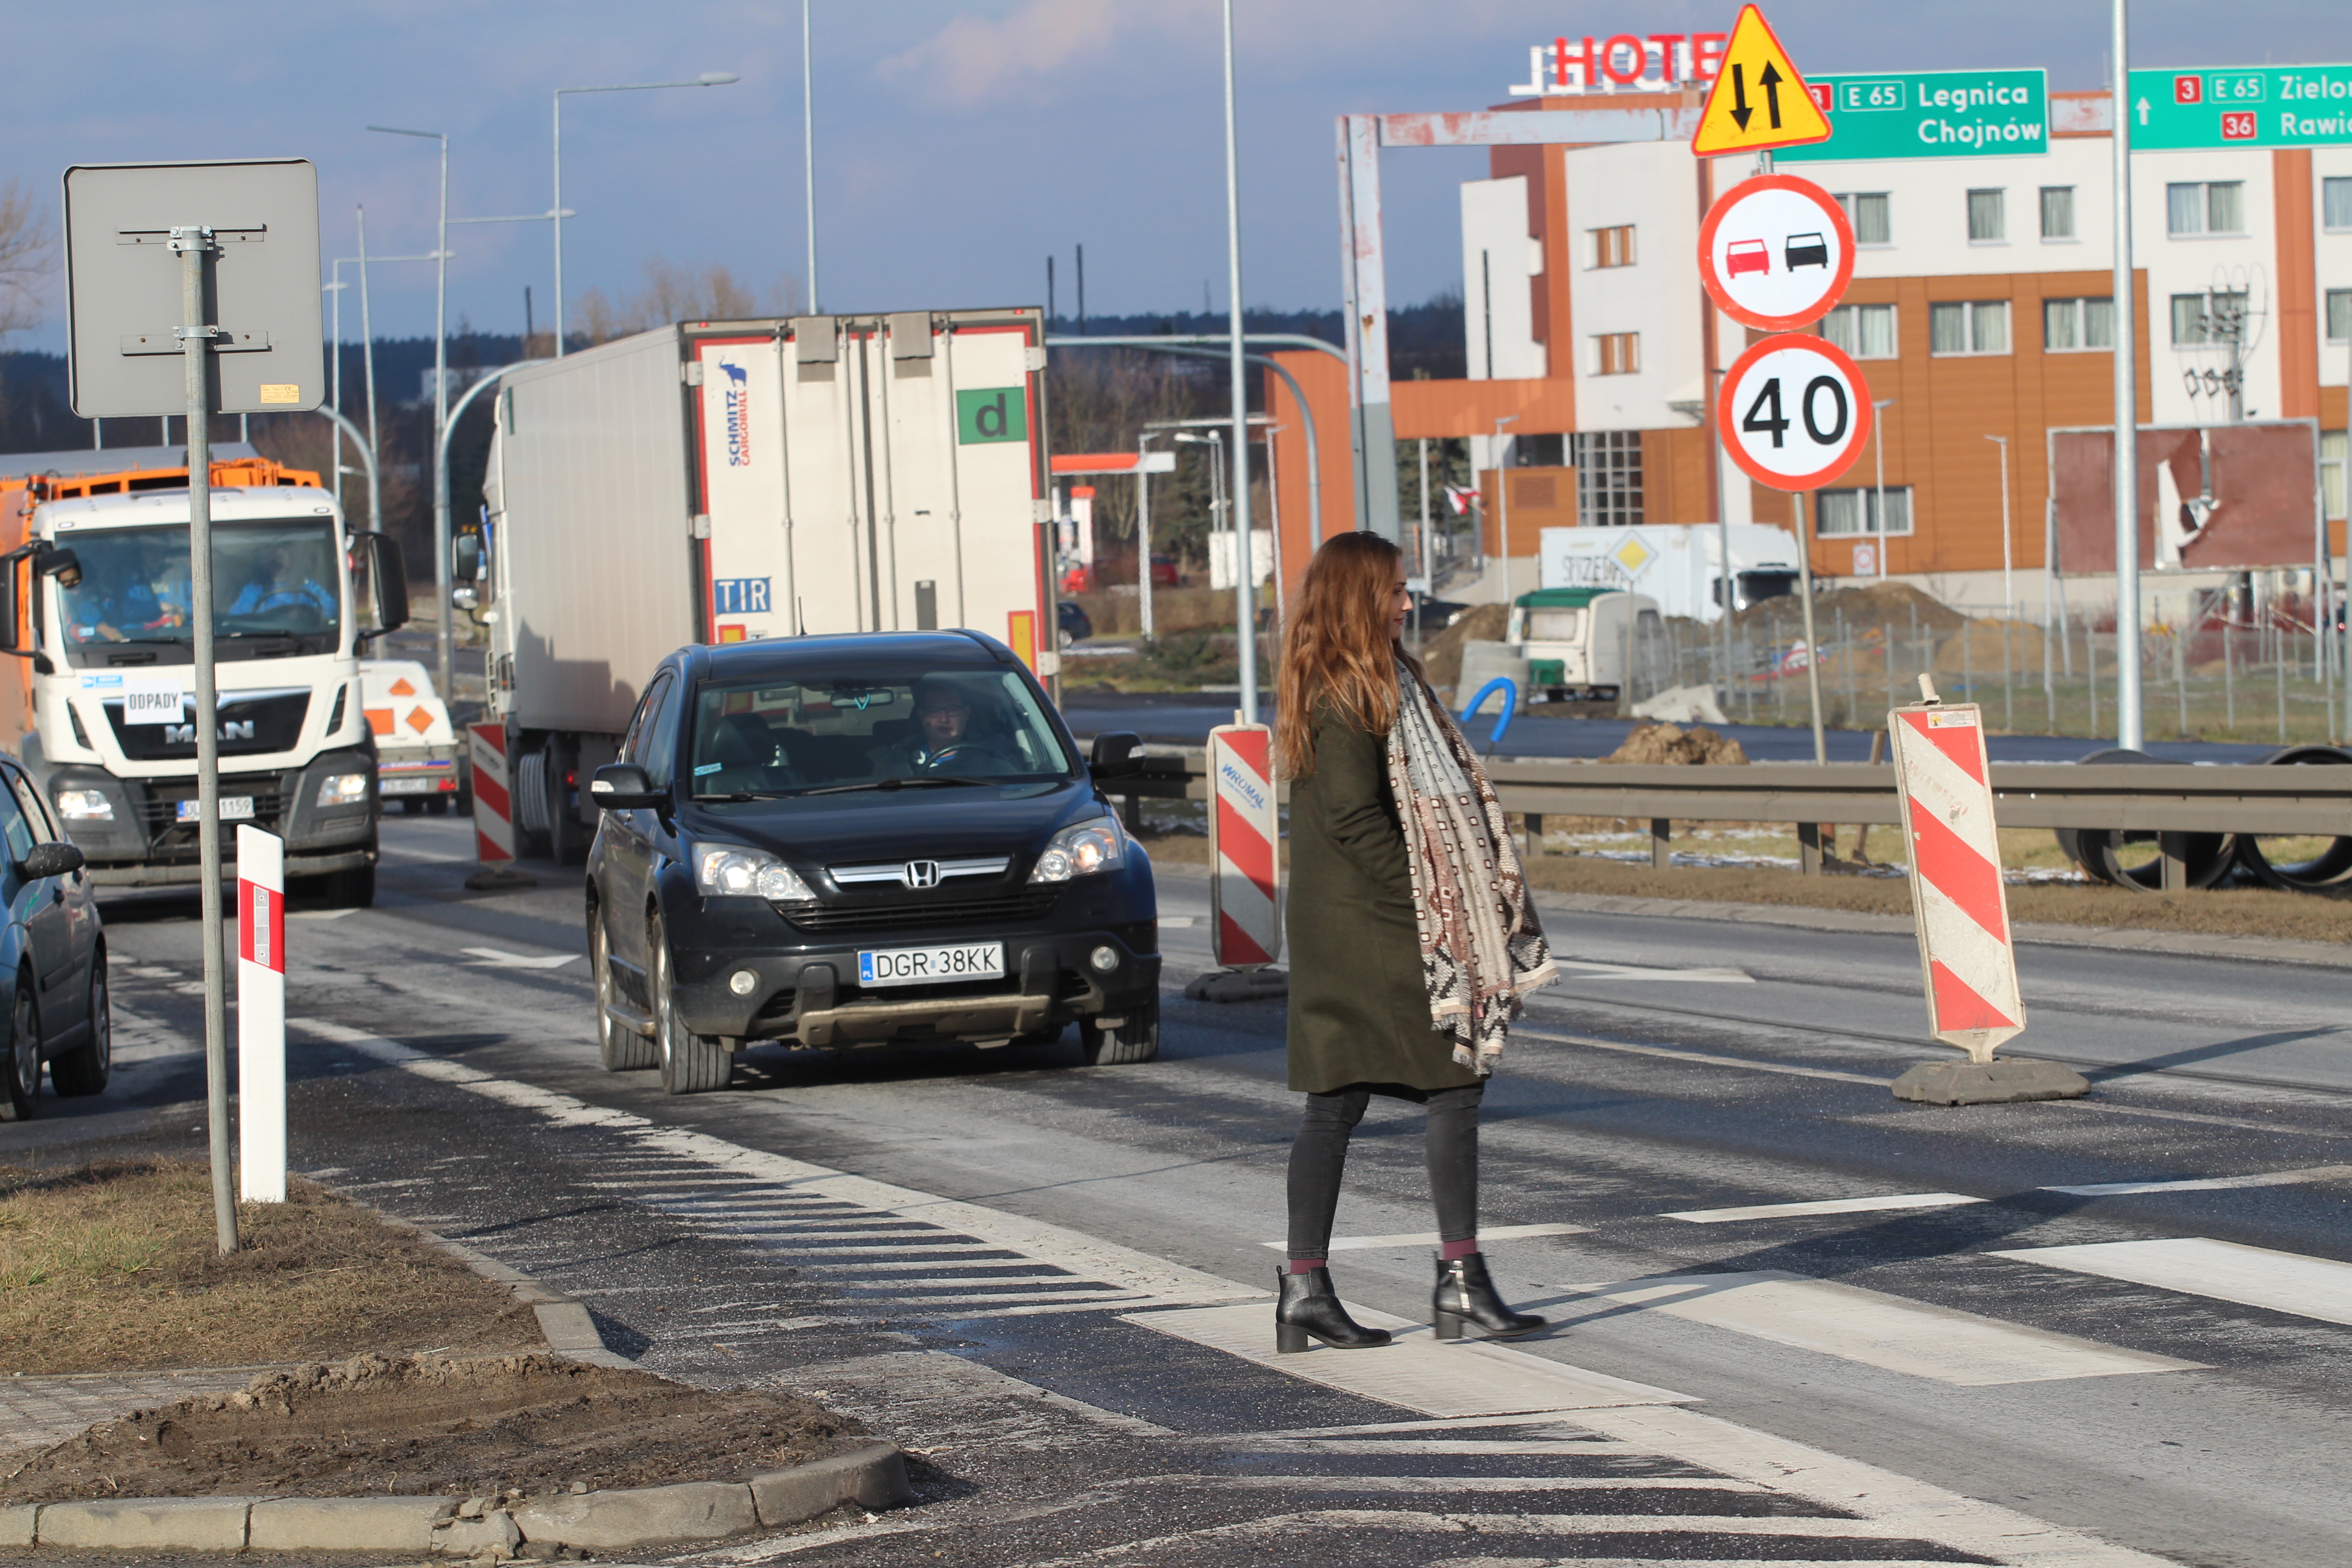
pixel 1113 755
pixel 623 786
pixel 51 861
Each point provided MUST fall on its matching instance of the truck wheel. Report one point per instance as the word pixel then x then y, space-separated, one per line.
pixel 1136 1040
pixel 412 806
pixel 85 1070
pixel 567 835
pixel 23 1052
pixel 690 1063
pixel 438 806
pixel 620 1047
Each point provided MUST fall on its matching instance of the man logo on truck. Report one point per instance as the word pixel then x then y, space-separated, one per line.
pixel 738 416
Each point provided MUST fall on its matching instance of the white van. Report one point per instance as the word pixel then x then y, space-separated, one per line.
pixel 417 754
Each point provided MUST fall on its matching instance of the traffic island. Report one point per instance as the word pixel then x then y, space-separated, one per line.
pixel 510 1455
pixel 2004 1080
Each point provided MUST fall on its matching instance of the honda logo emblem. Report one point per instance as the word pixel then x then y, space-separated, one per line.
pixel 920 873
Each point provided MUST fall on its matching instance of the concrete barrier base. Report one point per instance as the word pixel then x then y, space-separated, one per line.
pixel 2004 1080
pixel 1239 985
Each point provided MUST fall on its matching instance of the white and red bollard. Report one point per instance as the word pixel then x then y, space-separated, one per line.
pixel 261 1015
pixel 1960 905
pixel 1245 882
pixel 494 834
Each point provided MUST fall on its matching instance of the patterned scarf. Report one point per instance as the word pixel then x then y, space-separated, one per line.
pixel 1481 948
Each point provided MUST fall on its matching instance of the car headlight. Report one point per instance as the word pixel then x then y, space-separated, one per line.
pixel 342 789
pixel 1082 849
pixel 85 806
pixel 730 870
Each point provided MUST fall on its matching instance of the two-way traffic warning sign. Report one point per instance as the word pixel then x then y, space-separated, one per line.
pixel 1794 412
pixel 1759 102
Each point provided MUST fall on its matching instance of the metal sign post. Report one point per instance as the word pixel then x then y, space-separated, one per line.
pixel 249 342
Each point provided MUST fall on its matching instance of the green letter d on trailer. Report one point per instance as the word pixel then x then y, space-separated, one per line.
pixel 991 413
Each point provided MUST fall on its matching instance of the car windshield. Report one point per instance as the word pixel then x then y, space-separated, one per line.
pixel 892 730
pixel 275 578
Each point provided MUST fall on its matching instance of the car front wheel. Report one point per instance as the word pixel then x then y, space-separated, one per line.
pixel 24 1053
pixel 620 1047
pixel 690 1063
pixel 86 1067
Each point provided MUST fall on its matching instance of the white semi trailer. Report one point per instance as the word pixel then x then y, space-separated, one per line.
pixel 732 482
pixel 1679 566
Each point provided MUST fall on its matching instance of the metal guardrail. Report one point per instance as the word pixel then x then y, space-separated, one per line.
pixel 2170 799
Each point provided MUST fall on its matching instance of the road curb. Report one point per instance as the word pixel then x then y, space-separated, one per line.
pixel 873 1477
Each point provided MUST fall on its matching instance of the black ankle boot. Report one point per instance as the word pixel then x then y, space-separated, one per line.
pixel 1465 1292
pixel 1310 1309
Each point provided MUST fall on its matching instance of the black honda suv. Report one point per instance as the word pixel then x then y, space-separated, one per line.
pixel 870 840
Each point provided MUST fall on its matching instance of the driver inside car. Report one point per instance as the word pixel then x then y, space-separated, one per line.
pixel 277 583
pixel 946 740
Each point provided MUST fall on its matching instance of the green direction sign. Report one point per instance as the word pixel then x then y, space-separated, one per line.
pixel 2243 106
pixel 1927 114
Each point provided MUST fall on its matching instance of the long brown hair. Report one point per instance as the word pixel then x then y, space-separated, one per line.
pixel 1336 647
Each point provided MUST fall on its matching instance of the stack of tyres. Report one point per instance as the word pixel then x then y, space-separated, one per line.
pixel 2299 863
pixel 2130 859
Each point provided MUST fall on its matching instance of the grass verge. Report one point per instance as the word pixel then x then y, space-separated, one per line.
pixel 111 1267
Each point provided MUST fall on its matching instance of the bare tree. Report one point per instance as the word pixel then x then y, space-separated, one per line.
pixel 674 293
pixel 27 249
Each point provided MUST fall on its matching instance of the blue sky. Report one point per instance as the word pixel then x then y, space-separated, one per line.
pixel 958 141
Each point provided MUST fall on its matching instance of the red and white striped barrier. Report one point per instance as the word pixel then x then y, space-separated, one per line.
pixel 261 1015
pixel 1966 960
pixel 1246 894
pixel 494 838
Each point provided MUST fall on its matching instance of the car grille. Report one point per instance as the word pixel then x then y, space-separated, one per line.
pixel 263 722
pixel 1028 904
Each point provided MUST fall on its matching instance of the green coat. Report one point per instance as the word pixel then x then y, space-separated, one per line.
pixel 1358 1010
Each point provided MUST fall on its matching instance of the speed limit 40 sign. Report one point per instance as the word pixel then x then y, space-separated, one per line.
pixel 1795 412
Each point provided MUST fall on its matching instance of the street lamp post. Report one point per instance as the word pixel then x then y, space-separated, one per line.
pixel 808 150
pixel 1878 450
pixel 1247 586
pixel 1503 502
pixel 707 78
pixel 2008 584
pixel 2130 734
pixel 444 627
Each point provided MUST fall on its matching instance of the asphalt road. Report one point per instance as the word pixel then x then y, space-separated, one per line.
pixel 1049 1279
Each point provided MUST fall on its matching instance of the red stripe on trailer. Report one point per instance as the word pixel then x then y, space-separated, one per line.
pixel 1964 745
pixel 1957 1006
pixel 1954 868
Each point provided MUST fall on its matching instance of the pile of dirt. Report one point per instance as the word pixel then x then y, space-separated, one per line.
pixel 111 1267
pixel 1652 745
pixel 1877 604
pixel 1440 654
pixel 504 1426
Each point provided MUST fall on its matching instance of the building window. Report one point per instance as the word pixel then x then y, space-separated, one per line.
pixel 1867 212
pixel 2335 203
pixel 1855 512
pixel 1988 218
pixel 2057 212
pixel 2215 316
pixel 2331 472
pixel 2078 325
pixel 1608 478
pixel 2215 207
pixel 1970 327
pixel 1617 354
pixel 1865 332
pixel 2339 315
pixel 1613 246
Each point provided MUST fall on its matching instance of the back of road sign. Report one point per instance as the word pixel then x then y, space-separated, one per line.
pixel 1244 902
pixel 1957 899
pixel 1759 102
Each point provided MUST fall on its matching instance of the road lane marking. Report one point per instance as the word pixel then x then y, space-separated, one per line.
pixel 2288 1282
pixel 1431 1239
pixel 2208 1183
pixel 1825 1206
pixel 771 1177
pixel 1589 969
pixel 1705 1059
pixel 1472 1378
pixel 498 958
pixel 1857 1325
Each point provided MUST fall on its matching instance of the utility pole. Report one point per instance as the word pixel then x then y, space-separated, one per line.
pixel 2130 733
pixel 1244 587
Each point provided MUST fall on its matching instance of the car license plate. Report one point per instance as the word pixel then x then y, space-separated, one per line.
pixel 233 808
pixel 416 784
pixel 926 966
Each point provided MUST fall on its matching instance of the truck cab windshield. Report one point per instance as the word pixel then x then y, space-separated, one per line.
pixel 883 731
pixel 275 583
